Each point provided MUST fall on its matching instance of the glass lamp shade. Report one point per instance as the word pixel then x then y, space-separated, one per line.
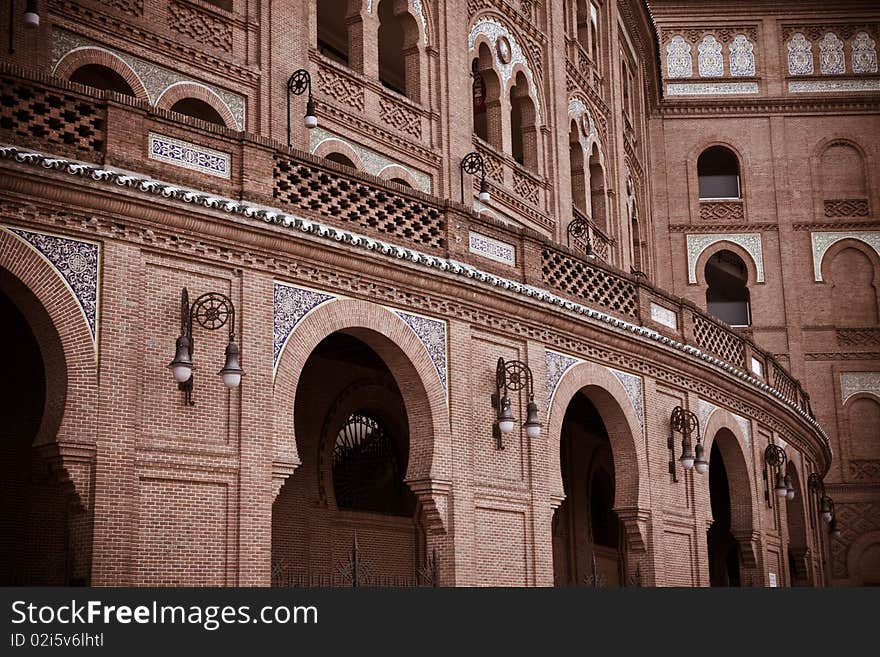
pixel 790 494
pixel 789 488
pixel 31 18
pixel 687 457
pixel 505 417
pixel 589 251
pixel 826 516
pixel 181 367
pixel 834 530
pixel 533 424
pixel 231 371
pixel 701 465
pixel 310 120
pixel 825 509
pixel 484 197
pixel 780 488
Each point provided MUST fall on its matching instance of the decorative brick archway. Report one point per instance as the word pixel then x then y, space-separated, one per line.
pixel 80 57
pixel 183 90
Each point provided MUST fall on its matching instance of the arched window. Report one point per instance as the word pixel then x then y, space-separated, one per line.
pixel 523 131
pixel 578 175
pixel 197 109
pixel 368 468
pixel 400 181
pixel 853 295
pixel 597 190
pixel 594 34
pixel 333 30
pixel 487 99
pixel 583 23
pixel 339 158
pixel 102 77
pixel 718 171
pixel 843 172
pixel 727 295
pixel 398 50
pixel 864 428
pixel 636 241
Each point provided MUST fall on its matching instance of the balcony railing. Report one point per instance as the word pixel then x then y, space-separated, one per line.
pixel 109 130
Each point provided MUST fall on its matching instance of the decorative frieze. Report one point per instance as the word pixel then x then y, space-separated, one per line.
pixel 846 207
pixel 832 86
pixel 710 88
pixel 200 26
pixel 750 242
pixel 664 316
pixel 187 155
pixel 76 262
pixel 492 249
pixel 864 470
pixel 824 240
pixel 340 88
pixel 400 117
pixel 431 333
pixel 290 306
pixel 852 383
pixel 726 211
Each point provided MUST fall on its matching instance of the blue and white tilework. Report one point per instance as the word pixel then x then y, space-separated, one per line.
pixel 76 261
pixel 678 58
pixel 831 61
pixel 633 386
pixel 432 334
pixel 710 88
pixel 492 249
pixel 800 55
pixel 833 86
pixel 291 305
pixel 556 366
pixel 864 54
pixel 742 57
pixel 711 62
pixel 187 155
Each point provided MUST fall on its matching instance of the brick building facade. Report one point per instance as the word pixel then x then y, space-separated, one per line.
pixel 640 170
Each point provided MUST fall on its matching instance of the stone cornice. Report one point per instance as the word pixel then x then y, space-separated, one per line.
pixel 112 178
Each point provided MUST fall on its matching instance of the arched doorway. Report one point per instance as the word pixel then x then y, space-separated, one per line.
pixel 587 542
pixel 348 496
pixel 35 541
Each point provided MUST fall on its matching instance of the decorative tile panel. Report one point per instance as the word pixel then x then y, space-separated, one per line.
pixel 374 163
pixel 710 60
pixel 852 383
pixel 432 334
pixel 493 249
pixel 664 316
pixel 823 241
pixel 492 30
pixel 832 86
pixel 757 368
pixel 710 88
pixel 751 242
pixel 831 59
pixel 745 426
pixel 864 54
pixel 678 58
pixel 633 386
pixel 800 55
pixel 187 155
pixel 156 79
pixel 76 262
pixel 704 411
pixel 742 57
pixel 291 304
pixel 557 365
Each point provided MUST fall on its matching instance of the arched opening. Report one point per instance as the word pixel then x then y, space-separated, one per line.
pixel 35 536
pixel 352 431
pixel 339 158
pixel 486 99
pixel 333 30
pixel 853 295
pixel 587 548
pixel 798 560
pixel 843 172
pixel 582 14
pixel 724 552
pixel 597 191
pixel 400 181
pixel 102 77
pixel 635 234
pixel 198 109
pixel 594 34
pixel 523 131
pixel 863 414
pixel 578 175
pixel 718 173
pixel 399 49
pixel 727 294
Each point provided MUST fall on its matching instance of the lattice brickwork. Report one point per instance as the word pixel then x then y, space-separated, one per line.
pixel 728 211
pixel 372 208
pixel 846 207
pixel 35 116
pixel 724 344
pixel 786 385
pixel 584 282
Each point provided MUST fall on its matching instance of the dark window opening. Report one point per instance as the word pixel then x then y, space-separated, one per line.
pixel 718 173
pixel 339 158
pixel 102 77
pixel 727 294
pixel 333 30
pixel 392 64
pixel 198 109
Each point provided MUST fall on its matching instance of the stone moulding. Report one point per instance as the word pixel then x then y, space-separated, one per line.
pixel 435 264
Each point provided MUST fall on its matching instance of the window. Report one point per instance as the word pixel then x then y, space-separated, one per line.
pixel 339 158
pixel 333 30
pixel 594 34
pixel 398 50
pixel 727 295
pixel 853 295
pixel 197 109
pixel 523 131
pixel 718 173
pixel 101 77
pixel 576 161
pixel 486 99
pixel 597 190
